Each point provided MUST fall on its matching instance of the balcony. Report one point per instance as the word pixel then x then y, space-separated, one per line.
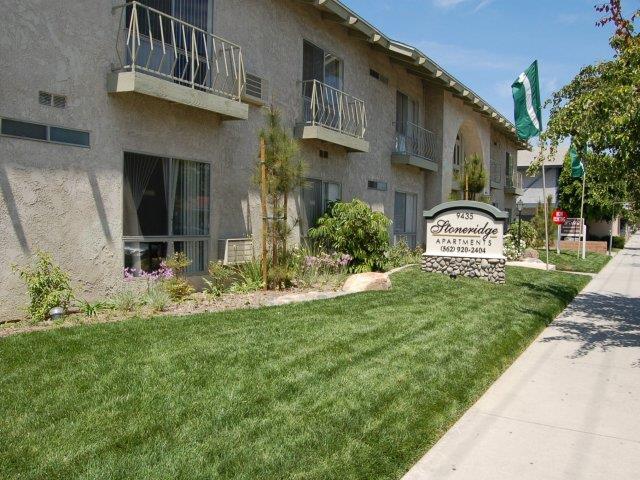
pixel 333 116
pixel 416 146
pixel 514 184
pixel 164 57
pixel 496 174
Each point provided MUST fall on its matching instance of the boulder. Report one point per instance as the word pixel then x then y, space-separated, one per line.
pixel 366 282
pixel 531 253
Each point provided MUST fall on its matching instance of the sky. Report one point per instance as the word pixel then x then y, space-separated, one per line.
pixel 486 44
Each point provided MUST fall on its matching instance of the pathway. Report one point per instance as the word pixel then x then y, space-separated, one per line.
pixel 569 407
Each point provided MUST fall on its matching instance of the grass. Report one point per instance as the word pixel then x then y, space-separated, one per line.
pixel 355 387
pixel 568 261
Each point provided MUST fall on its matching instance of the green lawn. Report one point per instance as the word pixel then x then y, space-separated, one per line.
pixel 568 261
pixel 355 387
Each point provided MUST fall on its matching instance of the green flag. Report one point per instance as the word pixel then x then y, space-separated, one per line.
pixel 577 166
pixel 528 109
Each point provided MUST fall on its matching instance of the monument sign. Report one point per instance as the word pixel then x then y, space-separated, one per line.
pixel 466 238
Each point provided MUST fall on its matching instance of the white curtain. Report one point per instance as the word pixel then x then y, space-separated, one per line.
pixel 139 169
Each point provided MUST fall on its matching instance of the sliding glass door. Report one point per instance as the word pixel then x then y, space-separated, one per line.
pixel 166 209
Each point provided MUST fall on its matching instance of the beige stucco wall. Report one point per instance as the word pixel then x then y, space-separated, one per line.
pixel 68 200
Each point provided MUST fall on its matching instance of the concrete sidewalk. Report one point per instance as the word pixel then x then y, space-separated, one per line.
pixel 569 407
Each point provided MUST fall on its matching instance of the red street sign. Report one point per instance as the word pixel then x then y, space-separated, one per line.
pixel 559 216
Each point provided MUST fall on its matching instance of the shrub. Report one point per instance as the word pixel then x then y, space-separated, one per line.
pixel 249 277
pixel 125 301
pixel 618 242
pixel 353 228
pixel 400 254
pixel 91 309
pixel 511 250
pixel 528 233
pixel 178 288
pixel 48 286
pixel 219 278
pixel 157 297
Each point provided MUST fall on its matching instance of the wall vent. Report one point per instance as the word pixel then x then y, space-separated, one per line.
pixel 323 154
pixel 378 76
pixel 52 100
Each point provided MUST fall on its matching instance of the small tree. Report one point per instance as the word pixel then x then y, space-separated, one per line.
pixel 538 223
pixel 472 177
pixel 284 174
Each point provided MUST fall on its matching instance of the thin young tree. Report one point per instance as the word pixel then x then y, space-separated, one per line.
pixel 472 177
pixel 285 173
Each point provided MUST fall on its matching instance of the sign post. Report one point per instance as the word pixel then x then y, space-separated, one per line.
pixel 559 217
pixel 466 238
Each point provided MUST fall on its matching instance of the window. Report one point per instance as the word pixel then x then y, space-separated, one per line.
pixel 405 216
pixel 166 209
pixel 457 154
pixel 377 185
pixel 325 67
pixel 509 168
pixel 407 111
pixel 45 133
pixel 317 196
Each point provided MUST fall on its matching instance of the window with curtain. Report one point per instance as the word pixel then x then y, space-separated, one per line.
pixel 166 209
pixel 405 218
pixel 509 168
pixel 317 197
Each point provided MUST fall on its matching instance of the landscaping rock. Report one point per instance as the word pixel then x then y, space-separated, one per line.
pixel 366 282
pixel 531 253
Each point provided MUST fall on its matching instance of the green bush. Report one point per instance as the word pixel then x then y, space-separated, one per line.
pixel 219 279
pixel 618 242
pixel 400 254
pixel 353 228
pixel 178 288
pixel 124 301
pixel 249 277
pixel 157 297
pixel 48 286
pixel 528 233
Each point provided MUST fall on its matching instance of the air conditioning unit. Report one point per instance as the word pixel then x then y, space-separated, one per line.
pixel 233 251
pixel 255 90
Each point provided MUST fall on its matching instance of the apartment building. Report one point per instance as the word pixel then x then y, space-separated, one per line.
pixel 130 130
pixel 533 195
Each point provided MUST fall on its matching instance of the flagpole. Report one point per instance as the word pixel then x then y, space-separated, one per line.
pixel 544 200
pixel 584 182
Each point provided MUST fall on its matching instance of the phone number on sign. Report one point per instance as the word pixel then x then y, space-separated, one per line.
pixel 446 249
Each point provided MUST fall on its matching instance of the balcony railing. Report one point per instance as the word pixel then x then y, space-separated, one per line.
pixel 158 44
pixel 328 107
pixel 515 181
pixel 415 140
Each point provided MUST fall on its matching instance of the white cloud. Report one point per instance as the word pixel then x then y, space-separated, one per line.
pixel 479 4
pixel 456 56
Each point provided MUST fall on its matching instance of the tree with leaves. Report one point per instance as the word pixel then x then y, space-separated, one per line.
pixel 603 196
pixel 284 174
pixel 600 110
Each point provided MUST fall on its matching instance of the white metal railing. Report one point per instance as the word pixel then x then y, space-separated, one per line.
pixel 515 180
pixel 329 107
pixel 414 140
pixel 158 44
pixel 496 171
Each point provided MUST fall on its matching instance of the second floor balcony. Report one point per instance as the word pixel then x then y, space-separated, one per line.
pixel 332 115
pixel 163 56
pixel 415 146
pixel 514 184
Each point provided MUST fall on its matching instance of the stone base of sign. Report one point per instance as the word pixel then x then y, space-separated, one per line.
pixel 490 269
